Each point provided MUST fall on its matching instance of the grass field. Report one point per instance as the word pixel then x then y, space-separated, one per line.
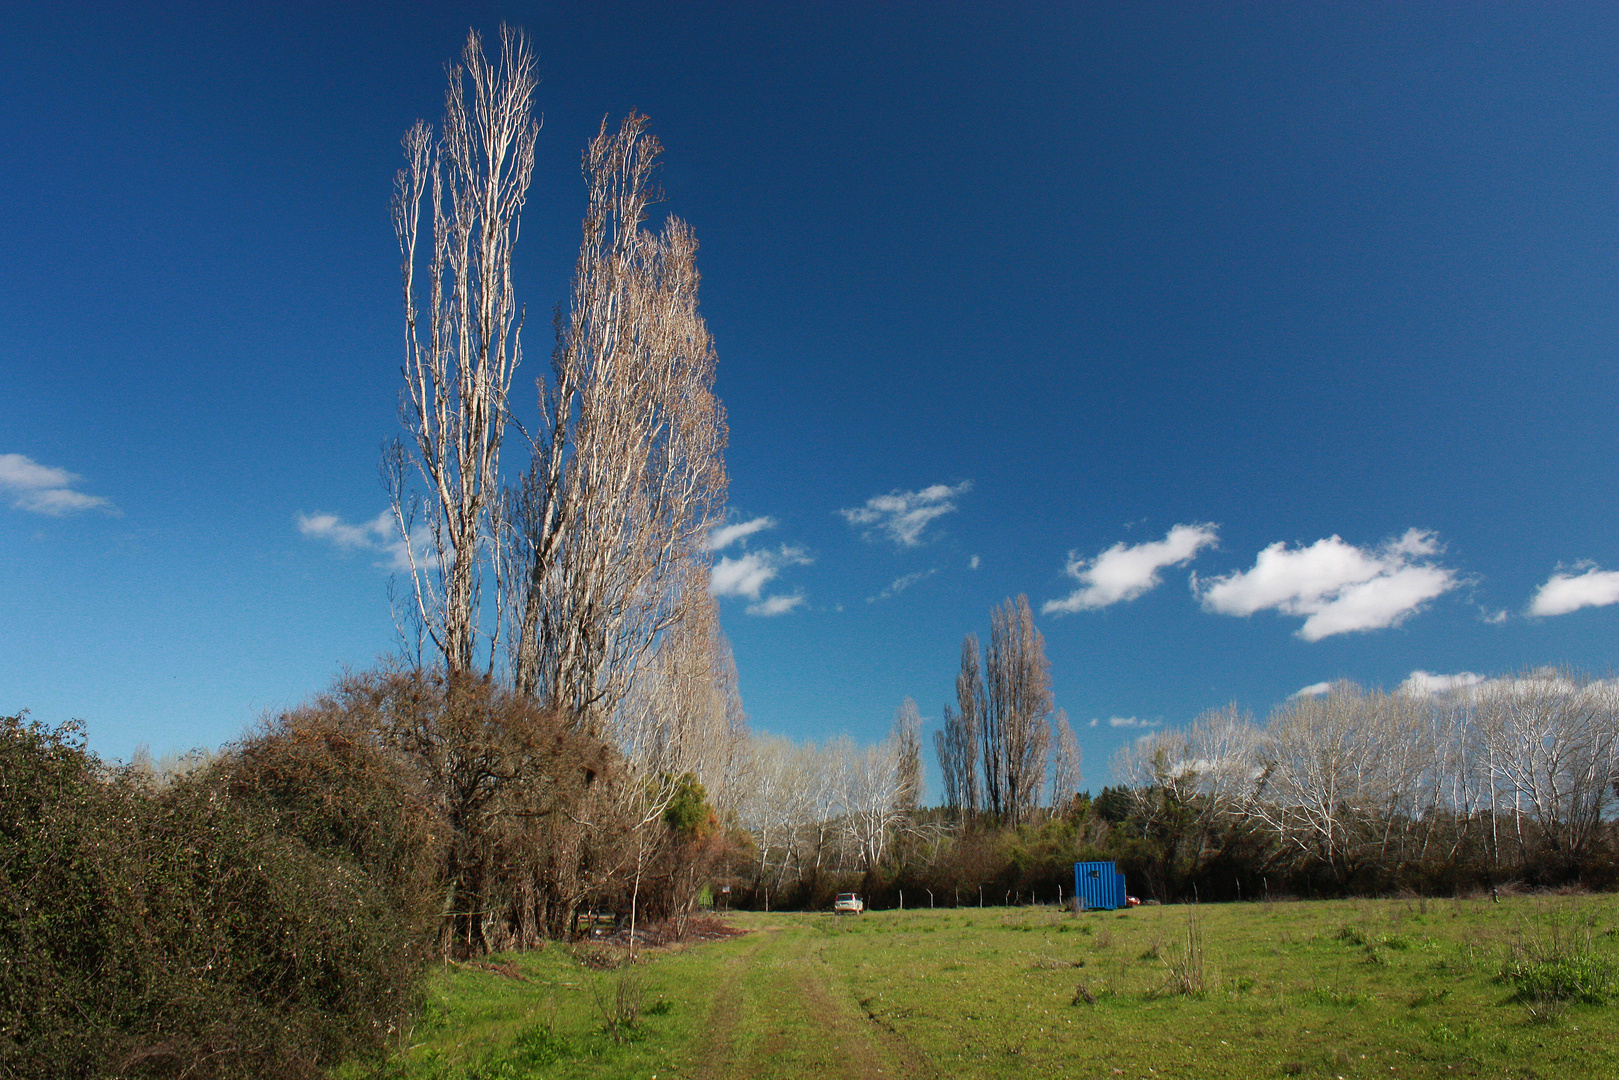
pixel 1361 988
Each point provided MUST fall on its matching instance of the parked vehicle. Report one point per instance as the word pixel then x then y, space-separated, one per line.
pixel 848 903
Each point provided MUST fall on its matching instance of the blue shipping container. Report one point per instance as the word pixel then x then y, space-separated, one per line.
pixel 1099 885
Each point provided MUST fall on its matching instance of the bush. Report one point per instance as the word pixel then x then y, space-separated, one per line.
pixel 181 931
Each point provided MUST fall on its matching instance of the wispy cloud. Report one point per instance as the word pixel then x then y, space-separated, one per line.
pixel 899 585
pixel 1313 690
pixel 380 535
pixel 973 563
pixel 1337 587
pixel 1563 592
pixel 1427 684
pixel 902 515
pixel 746 574
pixel 776 605
pixel 726 535
pixel 1124 572
pixel 1129 722
pixel 41 489
pixel 1467 685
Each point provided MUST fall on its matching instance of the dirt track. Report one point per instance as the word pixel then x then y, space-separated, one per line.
pixel 779 1012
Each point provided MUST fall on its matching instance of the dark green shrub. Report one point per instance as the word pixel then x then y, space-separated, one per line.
pixel 181 931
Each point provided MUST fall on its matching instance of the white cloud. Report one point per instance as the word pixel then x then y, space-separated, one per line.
pixel 1338 587
pixel 1470 686
pixel 1427 684
pixel 1130 722
pixel 902 515
pixel 41 489
pixel 776 605
pixel 1313 690
pixel 1564 593
pixel 743 576
pixel 1124 572
pixel 380 534
pixel 899 585
pixel 746 574
pixel 726 535
pixel 972 563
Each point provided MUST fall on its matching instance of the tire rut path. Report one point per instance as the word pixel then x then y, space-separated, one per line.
pixel 778 1012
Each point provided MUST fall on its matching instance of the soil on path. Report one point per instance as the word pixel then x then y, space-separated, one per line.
pixel 778 1010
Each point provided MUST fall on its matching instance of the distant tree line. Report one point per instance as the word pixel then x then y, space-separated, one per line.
pixel 1351 791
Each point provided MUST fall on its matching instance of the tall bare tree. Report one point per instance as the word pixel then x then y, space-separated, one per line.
pixel 958 743
pixel 1066 757
pixel 627 474
pixel 683 712
pixel 458 367
pixel 1017 727
pixel 907 737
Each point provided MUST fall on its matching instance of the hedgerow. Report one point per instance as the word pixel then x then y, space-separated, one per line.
pixel 152 930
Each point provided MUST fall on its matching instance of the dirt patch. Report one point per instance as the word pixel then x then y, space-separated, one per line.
pixel 666 934
pixel 507 968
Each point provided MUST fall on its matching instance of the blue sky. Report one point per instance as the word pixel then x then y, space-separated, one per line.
pixel 1316 302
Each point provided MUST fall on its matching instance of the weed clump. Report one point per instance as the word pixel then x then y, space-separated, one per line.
pixel 619 1002
pixel 1557 964
pixel 1567 977
pixel 1187 976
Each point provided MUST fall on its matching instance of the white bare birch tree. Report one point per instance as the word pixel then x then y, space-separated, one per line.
pixel 1553 740
pixel 458 366
pixel 872 799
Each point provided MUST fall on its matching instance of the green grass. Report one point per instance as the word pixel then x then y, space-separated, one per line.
pixel 1320 989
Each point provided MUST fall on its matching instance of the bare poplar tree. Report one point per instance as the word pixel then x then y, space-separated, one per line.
pixel 458 367
pixel 958 743
pixel 1017 728
pixel 627 475
pixel 683 712
pixel 1065 761
pixel 946 748
pixel 907 738
pixel 830 769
